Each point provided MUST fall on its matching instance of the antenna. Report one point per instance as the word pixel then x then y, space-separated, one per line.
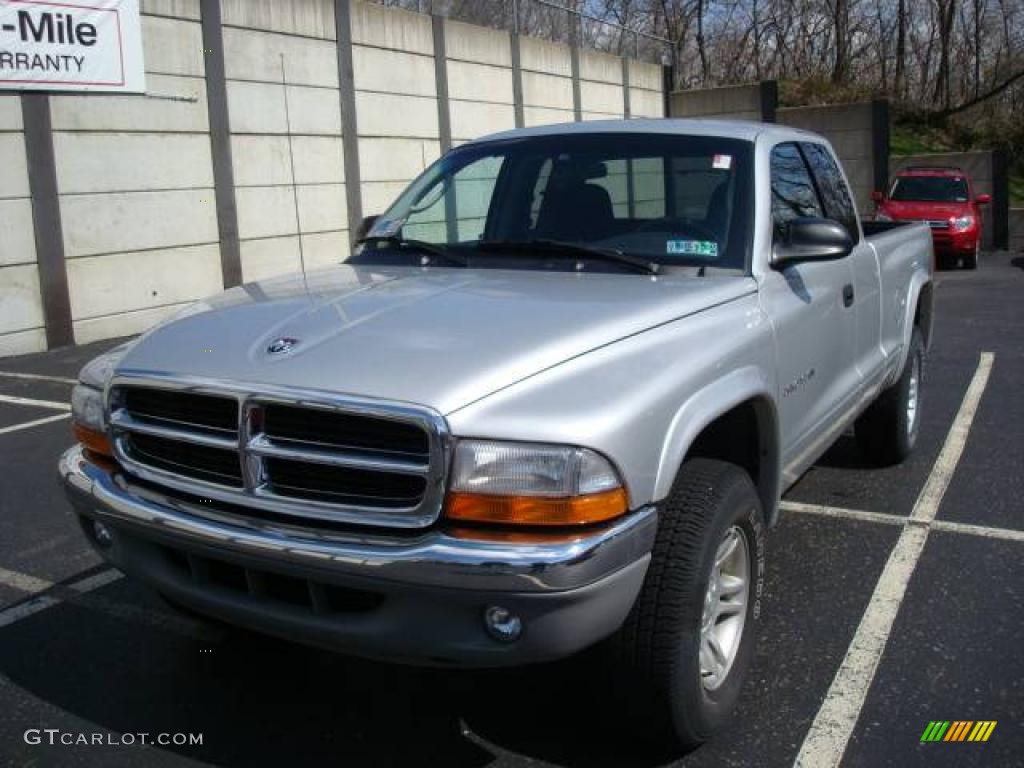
pixel 291 168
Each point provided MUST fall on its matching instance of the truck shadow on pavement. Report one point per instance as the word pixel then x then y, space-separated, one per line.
pixel 260 701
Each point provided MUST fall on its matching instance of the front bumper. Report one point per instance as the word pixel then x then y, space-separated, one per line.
pixel 418 598
pixel 955 243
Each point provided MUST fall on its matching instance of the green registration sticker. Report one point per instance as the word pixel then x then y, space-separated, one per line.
pixel 707 249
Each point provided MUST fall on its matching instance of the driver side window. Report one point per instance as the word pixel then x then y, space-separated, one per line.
pixel 793 192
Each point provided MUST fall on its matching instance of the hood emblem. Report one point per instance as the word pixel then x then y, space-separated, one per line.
pixel 282 345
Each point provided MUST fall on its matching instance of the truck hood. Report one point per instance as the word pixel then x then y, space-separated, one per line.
pixel 437 337
pixel 910 209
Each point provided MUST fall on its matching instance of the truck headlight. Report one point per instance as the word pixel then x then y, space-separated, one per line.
pixel 532 484
pixel 88 416
pixel 962 223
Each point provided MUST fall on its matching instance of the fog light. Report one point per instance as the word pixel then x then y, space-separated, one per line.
pixel 502 624
pixel 103 535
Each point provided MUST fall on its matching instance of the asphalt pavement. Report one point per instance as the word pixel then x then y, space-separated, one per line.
pixel 87 654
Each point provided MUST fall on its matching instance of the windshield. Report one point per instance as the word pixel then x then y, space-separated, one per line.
pixel 668 199
pixel 930 189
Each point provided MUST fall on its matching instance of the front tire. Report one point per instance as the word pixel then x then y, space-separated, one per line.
pixel 971 261
pixel 887 431
pixel 683 652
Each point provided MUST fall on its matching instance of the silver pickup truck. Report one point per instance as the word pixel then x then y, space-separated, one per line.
pixel 550 403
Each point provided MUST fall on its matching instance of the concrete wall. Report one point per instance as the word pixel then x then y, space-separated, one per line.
pixel 280 63
pixel 737 102
pixel 135 182
pixel 21 311
pixel 980 166
pixel 1016 244
pixel 148 222
pixel 850 129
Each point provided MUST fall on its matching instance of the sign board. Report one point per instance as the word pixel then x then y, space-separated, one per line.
pixel 74 45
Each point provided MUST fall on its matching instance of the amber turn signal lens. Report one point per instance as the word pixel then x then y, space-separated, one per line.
pixel 97 442
pixel 536 510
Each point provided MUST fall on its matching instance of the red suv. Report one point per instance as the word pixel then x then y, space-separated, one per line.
pixel 944 197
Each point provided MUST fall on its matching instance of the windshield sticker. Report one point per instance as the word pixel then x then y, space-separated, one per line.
pixel 721 162
pixel 703 248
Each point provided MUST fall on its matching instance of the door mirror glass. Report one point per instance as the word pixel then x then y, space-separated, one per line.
pixel 811 239
pixel 983 199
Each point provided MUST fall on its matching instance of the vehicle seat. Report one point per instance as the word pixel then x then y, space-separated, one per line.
pixel 575 211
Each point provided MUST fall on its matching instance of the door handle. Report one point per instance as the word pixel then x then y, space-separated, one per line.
pixel 848 295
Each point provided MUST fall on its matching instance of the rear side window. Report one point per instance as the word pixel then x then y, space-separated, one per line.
pixel 832 187
pixel 793 193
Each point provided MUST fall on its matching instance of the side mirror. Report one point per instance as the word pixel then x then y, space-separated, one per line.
pixel 811 239
pixel 365 226
pixel 877 197
pixel 983 199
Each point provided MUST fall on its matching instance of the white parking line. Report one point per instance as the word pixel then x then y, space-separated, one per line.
pixel 53 404
pixel 23 582
pixel 36 377
pixel 36 423
pixel 947 526
pixel 830 732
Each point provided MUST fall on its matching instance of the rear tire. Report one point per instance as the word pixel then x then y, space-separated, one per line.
pixel 682 654
pixel 887 431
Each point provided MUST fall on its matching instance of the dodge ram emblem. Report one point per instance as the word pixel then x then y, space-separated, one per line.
pixel 282 345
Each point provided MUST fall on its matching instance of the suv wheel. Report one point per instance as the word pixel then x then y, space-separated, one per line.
pixel 683 652
pixel 971 261
pixel 887 431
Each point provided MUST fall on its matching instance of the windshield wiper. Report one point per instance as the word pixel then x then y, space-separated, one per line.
pixel 430 249
pixel 607 254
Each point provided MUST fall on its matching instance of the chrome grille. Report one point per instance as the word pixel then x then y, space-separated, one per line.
pixel 302 453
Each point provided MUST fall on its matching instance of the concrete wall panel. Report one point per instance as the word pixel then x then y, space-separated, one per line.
pixel 10 112
pixel 181 9
pixel 269 257
pixel 260 160
pixel 382 27
pixel 600 67
pixel 544 116
pixel 382 114
pixel 309 18
pixel 395 72
pixel 544 56
pixel 601 97
pixel 318 159
pixel 379 195
pixel 322 208
pixel 265 211
pixel 645 75
pixel 547 91
pixel 22 342
pixel 124 162
pixel 325 249
pixel 479 82
pixel 98 286
pixel 111 223
pixel 21 307
pixel 468 42
pixel 97 112
pixel 471 119
pixel 644 103
pixel 173 47
pixel 17 240
pixel 14 178
pixel 122 323
pixel 254 55
pixel 395 159
pixel 256 107
pixel 315 111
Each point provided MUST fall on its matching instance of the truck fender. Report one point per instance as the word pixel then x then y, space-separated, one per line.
pixel 709 403
pixel 919 290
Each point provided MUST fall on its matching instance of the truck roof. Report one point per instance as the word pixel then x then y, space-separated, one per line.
pixel 747 130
